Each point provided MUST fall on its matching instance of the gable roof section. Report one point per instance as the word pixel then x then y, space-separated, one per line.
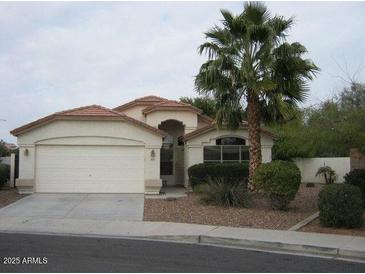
pixel 206 118
pixel 171 105
pixel 213 126
pixel 143 101
pixel 86 112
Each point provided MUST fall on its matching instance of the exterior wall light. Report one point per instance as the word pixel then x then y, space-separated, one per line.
pixel 153 154
pixel 26 152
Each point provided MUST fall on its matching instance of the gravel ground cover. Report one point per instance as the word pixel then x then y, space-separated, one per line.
pixel 9 196
pixel 316 227
pixel 258 215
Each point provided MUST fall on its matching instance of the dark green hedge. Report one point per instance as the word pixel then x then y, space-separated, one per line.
pixel 356 177
pixel 340 205
pixel 4 174
pixel 280 180
pixel 199 174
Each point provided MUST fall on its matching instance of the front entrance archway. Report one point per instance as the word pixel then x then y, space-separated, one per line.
pixel 172 154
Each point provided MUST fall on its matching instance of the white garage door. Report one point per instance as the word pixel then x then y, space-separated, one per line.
pixel 90 169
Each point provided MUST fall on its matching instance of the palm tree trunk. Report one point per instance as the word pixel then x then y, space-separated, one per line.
pixel 254 119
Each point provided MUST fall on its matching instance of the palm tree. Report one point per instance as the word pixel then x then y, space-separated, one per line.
pixel 250 65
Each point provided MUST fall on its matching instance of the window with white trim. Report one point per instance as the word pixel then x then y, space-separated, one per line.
pixel 227 149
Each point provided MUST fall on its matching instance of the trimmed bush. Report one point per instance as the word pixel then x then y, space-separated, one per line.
pixel 4 174
pixel 280 180
pixel 340 205
pixel 223 192
pixel 199 174
pixel 356 177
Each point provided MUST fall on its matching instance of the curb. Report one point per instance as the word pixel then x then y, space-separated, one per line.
pixel 272 246
pixel 333 252
pixel 337 253
pixel 265 246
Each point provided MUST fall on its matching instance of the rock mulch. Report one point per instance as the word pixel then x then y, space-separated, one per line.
pixel 258 215
pixel 9 196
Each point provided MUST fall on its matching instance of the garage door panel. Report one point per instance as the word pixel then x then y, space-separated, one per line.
pixel 90 169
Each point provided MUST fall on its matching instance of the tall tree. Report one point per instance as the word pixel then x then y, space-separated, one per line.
pixel 4 151
pixel 205 103
pixel 250 64
pixel 353 97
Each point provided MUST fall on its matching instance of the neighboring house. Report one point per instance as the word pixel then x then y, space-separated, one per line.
pixel 11 146
pixel 134 148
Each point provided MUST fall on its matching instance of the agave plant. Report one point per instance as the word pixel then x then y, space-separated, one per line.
pixel 225 192
pixel 328 174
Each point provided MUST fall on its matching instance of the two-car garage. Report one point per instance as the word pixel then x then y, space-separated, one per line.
pixel 89 169
pixel 88 150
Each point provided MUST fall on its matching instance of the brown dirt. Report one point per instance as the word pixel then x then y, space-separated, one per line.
pixel 9 196
pixel 316 227
pixel 258 215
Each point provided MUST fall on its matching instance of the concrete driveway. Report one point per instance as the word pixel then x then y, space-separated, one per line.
pixel 97 207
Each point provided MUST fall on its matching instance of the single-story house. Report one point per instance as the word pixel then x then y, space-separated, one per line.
pixel 137 147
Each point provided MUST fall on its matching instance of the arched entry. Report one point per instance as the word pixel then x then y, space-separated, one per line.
pixel 172 153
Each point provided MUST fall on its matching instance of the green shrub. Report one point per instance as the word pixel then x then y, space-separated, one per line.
pixel 310 185
pixel 340 205
pixel 4 174
pixel 328 174
pixel 356 177
pixel 199 174
pixel 280 180
pixel 224 192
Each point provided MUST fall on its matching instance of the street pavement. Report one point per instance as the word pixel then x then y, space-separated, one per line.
pixel 28 253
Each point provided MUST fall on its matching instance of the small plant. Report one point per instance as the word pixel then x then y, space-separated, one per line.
pixel 223 192
pixel 4 174
pixel 328 174
pixel 356 177
pixel 340 205
pixel 280 180
pixel 310 185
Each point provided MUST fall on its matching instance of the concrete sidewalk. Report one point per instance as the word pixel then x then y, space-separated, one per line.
pixel 274 240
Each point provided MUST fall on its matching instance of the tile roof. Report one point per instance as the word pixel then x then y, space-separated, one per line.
pixel 150 98
pixel 92 111
pixel 213 126
pixel 143 101
pixel 171 105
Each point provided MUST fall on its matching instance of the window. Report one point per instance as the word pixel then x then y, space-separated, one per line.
pixel 230 153
pixel 168 139
pixel 230 141
pixel 212 154
pixel 245 156
pixel 227 149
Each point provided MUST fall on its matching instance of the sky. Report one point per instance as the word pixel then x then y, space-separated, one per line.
pixel 60 55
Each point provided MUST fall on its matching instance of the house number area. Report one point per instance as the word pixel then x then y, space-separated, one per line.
pixel 24 260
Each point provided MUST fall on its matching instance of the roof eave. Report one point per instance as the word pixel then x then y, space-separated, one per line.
pixel 31 126
pixel 211 127
pixel 171 109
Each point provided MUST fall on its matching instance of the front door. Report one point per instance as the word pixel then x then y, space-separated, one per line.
pixel 167 165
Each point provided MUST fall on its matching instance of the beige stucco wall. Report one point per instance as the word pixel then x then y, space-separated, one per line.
pixel 194 147
pixel 309 167
pixel 108 133
pixel 202 122
pixel 136 113
pixel 189 119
